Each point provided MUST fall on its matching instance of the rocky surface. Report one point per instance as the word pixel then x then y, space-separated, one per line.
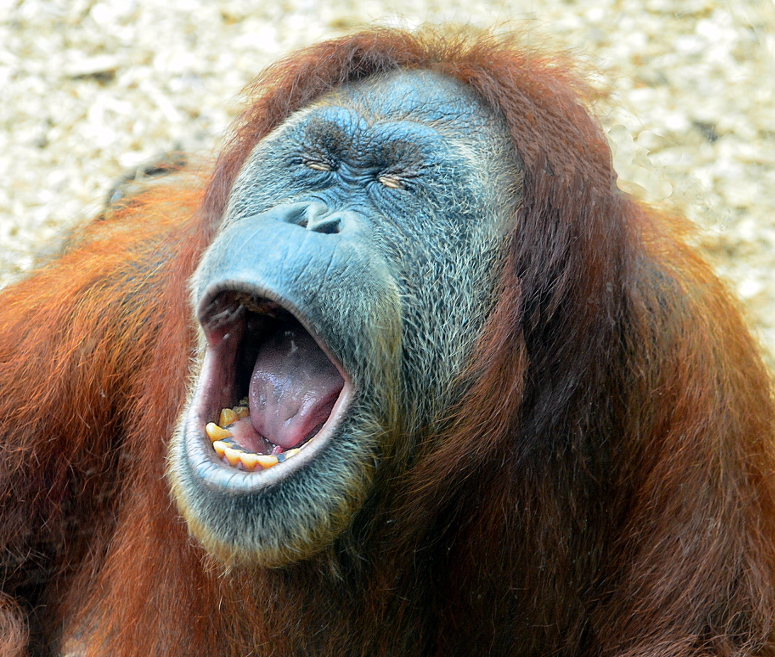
pixel 92 88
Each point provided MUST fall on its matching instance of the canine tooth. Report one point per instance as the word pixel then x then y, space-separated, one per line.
pixel 220 447
pixel 241 411
pixel 214 432
pixel 266 461
pixel 250 461
pixel 228 416
pixel 232 456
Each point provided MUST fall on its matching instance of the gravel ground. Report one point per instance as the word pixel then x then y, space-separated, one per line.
pixel 90 89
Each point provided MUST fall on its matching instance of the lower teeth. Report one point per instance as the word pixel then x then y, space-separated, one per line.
pixel 232 452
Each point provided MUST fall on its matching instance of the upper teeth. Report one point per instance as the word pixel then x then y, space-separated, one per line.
pixel 214 432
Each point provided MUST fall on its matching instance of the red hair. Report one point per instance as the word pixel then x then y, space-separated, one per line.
pixel 612 346
pixel 603 487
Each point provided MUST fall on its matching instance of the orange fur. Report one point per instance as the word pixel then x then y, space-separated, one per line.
pixel 603 488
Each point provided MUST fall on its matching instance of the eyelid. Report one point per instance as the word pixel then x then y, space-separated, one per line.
pixel 390 180
pixel 318 163
pixel 319 166
pixel 399 177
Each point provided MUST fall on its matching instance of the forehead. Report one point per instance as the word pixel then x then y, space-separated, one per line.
pixel 419 95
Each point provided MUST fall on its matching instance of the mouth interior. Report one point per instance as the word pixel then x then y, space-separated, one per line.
pixel 275 387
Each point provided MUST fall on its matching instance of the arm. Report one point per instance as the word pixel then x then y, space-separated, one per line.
pixel 76 341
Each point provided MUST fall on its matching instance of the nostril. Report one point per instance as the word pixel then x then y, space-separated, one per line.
pixel 319 219
pixel 328 225
pixel 313 216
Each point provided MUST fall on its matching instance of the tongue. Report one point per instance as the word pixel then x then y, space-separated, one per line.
pixel 293 388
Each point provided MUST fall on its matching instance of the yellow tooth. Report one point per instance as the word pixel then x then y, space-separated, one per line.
pixel 291 452
pixel 232 456
pixel 266 461
pixel 250 461
pixel 220 447
pixel 241 411
pixel 228 417
pixel 214 432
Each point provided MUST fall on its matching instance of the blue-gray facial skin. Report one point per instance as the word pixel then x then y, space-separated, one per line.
pixel 374 221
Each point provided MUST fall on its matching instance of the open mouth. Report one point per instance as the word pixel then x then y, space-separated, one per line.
pixel 270 391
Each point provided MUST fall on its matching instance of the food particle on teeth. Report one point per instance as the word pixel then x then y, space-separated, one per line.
pixel 214 432
pixel 228 416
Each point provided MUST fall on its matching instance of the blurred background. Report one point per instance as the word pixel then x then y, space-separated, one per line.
pixel 90 89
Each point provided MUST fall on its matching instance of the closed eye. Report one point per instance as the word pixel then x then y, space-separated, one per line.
pixel 390 180
pixel 318 164
pixel 395 178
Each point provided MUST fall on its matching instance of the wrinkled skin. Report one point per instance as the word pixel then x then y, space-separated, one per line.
pixel 376 217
